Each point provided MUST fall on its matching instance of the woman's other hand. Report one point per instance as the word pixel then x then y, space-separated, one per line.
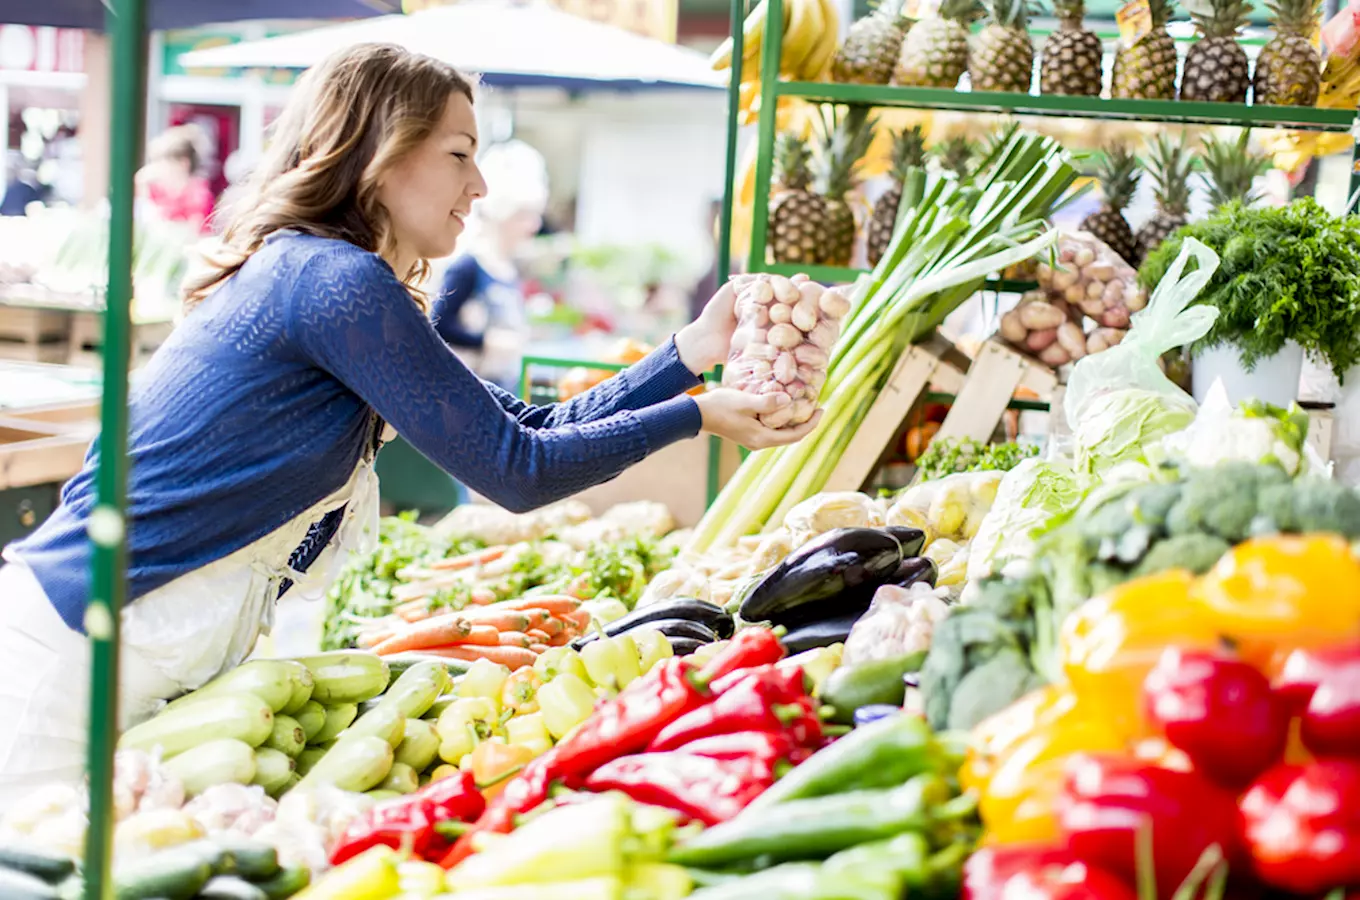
pixel 733 414
pixel 703 343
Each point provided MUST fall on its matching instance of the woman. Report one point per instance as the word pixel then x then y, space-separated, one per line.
pixel 254 427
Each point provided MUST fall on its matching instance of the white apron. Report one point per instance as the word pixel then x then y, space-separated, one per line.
pixel 174 639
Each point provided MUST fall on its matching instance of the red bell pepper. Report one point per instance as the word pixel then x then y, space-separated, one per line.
pixel 1024 872
pixel 1220 711
pixel 412 819
pixel 1305 669
pixel 1302 825
pixel 771 748
pixel 700 787
pixel 750 648
pixel 1107 800
pixel 765 699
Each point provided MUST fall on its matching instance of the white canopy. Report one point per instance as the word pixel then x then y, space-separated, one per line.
pixel 507 43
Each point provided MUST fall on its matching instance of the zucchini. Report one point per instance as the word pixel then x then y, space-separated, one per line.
pixel 269 679
pixel 303 685
pixel 877 681
pixel 50 867
pixel 338 718
pixel 286 883
pixel 385 722
pixel 443 703
pixel 402 778
pixel 251 860
pixel 292 782
pixel 381 794
pixel 419 745
pixel 356 764
pixel 16 885
pixel 242 717
pixel 229 887
pixel 416 690
pixel 307 759
pixel 175 874
pixel 398 663
pixel 225 761
pixel 273 768
pixel 346 676
pixel 287 737
pixel 312 718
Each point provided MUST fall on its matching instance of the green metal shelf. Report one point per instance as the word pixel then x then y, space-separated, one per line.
pixel 1173 111
pixel 840 275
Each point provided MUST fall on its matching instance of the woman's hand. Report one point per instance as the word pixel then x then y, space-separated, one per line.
pixel 732 414
pixel 703 343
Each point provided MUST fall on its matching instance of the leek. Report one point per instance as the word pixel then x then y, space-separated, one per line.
pixel 949 237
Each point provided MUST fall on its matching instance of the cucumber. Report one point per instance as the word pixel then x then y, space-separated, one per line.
pixel 50 867
pixel 356 764
pixel 242 717
pixel 251 860
pixel 379 794
pixel 346 676
pixel 287 737
pixel 303 685
pixel 312 718
pixel 417 689
pixel 225 761
pixel 307 759
pixel 878 681
pixel 229 887
pixel 16 885
pixel 286 883
pixel 175 874
pixel 338 718
pixel 269 679
pixel 387 723
pixel 419 745
pixel 398 663
pixel 273 768
pixel 401 778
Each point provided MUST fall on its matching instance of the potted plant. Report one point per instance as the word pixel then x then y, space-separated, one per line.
pixel 1288 284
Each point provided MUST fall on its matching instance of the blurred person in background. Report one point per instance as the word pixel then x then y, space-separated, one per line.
pixel 21 186
pixel 171 184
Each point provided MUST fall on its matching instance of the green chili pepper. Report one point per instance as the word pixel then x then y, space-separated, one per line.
pixel 881 754
pixel 818 827
pixel 795 881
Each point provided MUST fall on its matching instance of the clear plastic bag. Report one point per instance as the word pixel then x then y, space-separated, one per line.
pixel 785 331
pixel 949 508
pixel 1094 279
pixel 900 620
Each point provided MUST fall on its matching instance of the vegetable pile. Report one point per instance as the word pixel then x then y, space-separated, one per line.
pixel 949 456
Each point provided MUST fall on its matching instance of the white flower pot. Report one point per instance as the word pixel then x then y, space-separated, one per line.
pixel 1274 380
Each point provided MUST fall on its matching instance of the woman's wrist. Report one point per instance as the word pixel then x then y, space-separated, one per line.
pixel 692 348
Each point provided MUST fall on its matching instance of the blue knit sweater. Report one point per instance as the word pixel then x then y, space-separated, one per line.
pixel 262 402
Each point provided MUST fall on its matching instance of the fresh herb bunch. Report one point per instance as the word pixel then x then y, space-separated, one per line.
pixel 1288 273
pixel 946 456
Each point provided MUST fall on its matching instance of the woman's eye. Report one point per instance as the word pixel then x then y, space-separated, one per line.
pixel 462 157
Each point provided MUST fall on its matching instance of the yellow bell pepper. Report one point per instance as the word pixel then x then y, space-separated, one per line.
pixel 1110 643
pixel 372 875
pixel 1280 593
pixel 992 739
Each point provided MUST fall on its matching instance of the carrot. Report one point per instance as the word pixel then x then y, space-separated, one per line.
pixel 539 648
pixel 552 627
pixel 413 610
pixel 580 619
pixel 501 619
pixel 373 638
pixel 536 617
pixel 515 639
pixel 555 604
pixel 434 632
pixel 561 640
pixel 482 596
pixel 482 635
pixel 468 560
pixel 537 636
pixel 514 657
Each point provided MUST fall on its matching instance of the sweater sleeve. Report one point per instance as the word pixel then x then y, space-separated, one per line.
pixel 350 316
pixel 460 282
pixel 656 378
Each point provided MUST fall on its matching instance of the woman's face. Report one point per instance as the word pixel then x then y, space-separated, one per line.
pixel 428 194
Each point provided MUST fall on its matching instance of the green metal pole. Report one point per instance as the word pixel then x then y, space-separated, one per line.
pixel 108 528
pixel 769 107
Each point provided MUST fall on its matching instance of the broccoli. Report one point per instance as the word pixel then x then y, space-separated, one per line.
pixel 1222 500
pixel 1196 552
pixel 1316 504
pixel 965 640
pixel 1004 678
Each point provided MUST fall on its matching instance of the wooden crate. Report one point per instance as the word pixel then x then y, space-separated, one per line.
pixel 34 335
pixel 33 452
pixel 87 339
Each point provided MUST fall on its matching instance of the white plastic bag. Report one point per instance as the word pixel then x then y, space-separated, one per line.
pixel 900 620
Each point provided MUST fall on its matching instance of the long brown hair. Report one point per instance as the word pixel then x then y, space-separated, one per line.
pixel 349 120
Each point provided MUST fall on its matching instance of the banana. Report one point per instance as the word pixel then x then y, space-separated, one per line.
pixel 752 31
pixel 826 45
pixel 799 37
pixel 816 14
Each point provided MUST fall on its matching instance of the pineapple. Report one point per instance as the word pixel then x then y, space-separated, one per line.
pixel 1216 67
pixel 1147 70
pixel 1288 69
pixel 956 155
pixel 1118 175
pixel 1071 62
pixel 1230 169
pixel 908 153
pixel 935 52
pixel 871 48
pixel 1170 167
pixel 797 215
pixel 1001 57
pixel 843 144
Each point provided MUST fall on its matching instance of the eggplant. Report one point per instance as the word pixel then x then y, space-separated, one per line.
pixel 913 540
pixel 669 627
pixel 820 634
pixel 684 646
pixel 709 614
pixel 843 560
pixel 915 570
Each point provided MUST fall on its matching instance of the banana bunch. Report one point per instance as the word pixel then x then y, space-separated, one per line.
pixel 1340 90
pixel 808 42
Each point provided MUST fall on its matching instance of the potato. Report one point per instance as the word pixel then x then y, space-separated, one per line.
pixel 1054 355
pixel 1039 315
pixel 1012 329
pixel 1038 340
pixel 1072 339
